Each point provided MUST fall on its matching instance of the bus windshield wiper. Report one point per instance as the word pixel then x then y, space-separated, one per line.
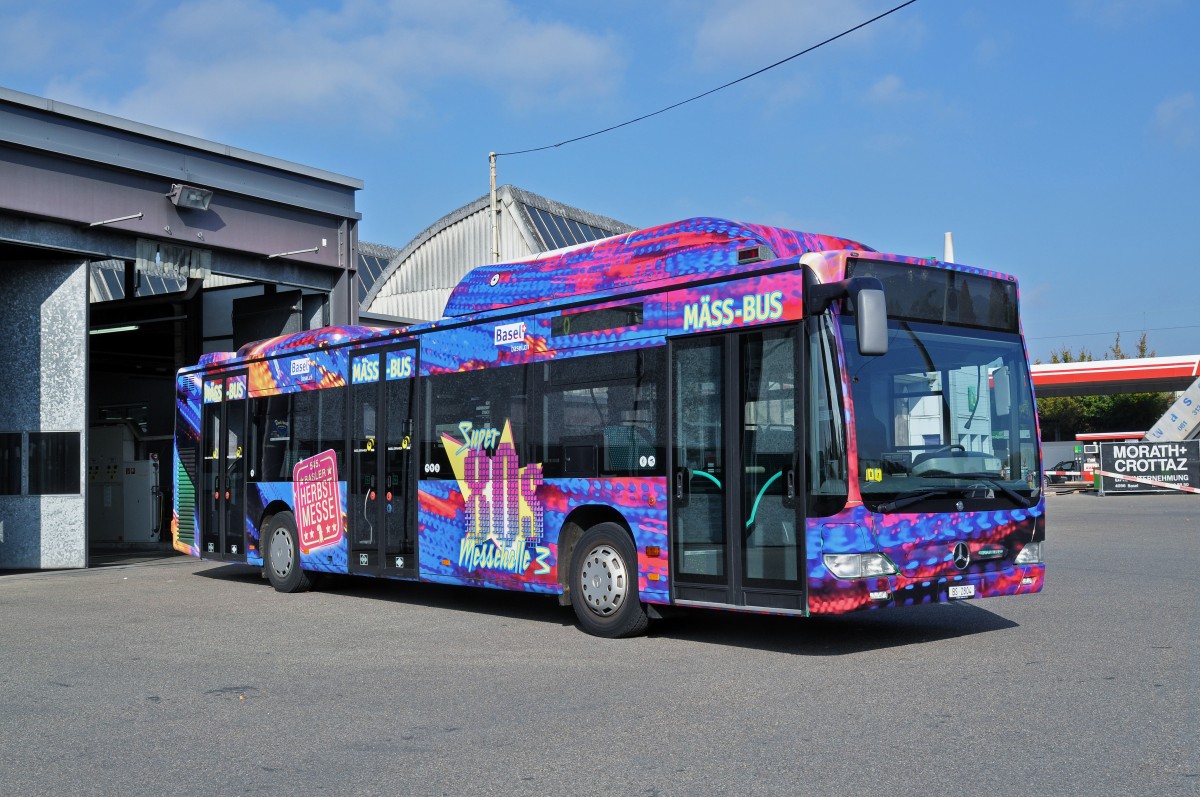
pixel 910 498
pixel 988 479
pixel 914 496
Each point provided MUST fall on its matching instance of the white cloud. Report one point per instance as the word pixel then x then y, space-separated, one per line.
pixel 891 90
pixel 198 66
pixel 756 32
pixel 788 93
pixel 1177 120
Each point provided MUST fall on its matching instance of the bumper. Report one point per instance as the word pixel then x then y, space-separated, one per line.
pixel 835 596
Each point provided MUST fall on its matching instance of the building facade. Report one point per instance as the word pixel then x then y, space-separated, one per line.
pixel 127 251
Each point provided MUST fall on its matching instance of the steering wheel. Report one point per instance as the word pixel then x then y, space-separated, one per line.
pixel 928 455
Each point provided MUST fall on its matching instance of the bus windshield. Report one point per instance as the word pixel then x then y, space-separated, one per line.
pixel 944 421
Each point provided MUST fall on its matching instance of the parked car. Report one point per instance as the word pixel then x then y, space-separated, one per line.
pixel 1066 464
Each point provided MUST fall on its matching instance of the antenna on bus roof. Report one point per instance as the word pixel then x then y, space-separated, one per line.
pixel 948 248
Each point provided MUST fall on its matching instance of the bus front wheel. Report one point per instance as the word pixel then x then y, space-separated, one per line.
pixel 282 548
pixel 604 585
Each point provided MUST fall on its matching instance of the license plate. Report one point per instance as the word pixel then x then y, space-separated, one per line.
pixel 963 591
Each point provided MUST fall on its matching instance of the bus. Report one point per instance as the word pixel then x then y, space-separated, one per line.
pixel 701 414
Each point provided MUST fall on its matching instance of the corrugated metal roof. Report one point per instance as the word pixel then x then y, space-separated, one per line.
pixel 419 278
pixel 373 261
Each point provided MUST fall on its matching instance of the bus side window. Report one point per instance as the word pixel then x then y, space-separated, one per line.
pixel 272 434
pixel 601 416
pixel 331 431
pixel 304 432
pixel 471 410
pixel 826 455
pixel 292 427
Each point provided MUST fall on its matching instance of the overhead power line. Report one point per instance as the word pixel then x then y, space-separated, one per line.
pixel 710 91
pixel 1112 332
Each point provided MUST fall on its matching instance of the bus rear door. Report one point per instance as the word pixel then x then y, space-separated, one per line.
pixel 223 424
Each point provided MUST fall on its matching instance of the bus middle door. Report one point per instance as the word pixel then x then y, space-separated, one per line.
pixel 382 529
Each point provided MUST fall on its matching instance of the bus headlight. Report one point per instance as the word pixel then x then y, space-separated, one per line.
pixel 1031 554
pixel 859 565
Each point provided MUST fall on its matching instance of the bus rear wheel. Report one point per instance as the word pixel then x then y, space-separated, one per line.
pixel 604 588
pixel 281 549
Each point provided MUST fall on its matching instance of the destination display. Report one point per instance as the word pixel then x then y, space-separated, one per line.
pixel 1144 467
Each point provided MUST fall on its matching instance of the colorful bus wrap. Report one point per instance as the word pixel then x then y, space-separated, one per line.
pixel 706 413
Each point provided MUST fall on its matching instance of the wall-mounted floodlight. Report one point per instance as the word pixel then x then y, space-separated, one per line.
pixel 187 196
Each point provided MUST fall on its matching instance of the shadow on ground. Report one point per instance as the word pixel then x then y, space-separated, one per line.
pixel 819 636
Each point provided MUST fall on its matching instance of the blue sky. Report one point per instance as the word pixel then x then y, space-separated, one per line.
pixel 1058 139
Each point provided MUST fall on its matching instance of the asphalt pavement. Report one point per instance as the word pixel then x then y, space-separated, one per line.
pixel 173 676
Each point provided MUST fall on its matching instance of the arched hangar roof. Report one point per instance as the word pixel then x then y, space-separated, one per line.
pixel 417 279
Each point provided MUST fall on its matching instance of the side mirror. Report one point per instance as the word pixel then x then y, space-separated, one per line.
pixel 870 308
pixel 1001 391
pixel 871 321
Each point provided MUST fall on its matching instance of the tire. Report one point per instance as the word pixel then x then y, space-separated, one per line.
pixel 281 555
pixel 604 584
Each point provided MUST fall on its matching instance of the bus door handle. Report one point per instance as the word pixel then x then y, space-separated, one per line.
pixel 682 483
pixel 789 487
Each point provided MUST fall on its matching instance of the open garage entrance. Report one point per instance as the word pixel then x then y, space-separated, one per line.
pixel 143 326
pixel 127 252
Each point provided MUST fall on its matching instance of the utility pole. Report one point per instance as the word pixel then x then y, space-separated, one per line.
pixel 495 210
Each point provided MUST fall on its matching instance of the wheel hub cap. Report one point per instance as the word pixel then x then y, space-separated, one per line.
pixel 604 580
pixel 281 553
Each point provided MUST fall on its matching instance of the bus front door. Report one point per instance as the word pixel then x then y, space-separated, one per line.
pixel 382 529
pixel 223 533
pixel 736 524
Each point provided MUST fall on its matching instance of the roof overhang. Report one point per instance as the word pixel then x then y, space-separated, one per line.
pixel 1102 377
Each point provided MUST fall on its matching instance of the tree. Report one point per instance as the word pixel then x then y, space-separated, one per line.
pixel 1064 417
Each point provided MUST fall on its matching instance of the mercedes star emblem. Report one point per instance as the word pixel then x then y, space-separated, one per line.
pixel 962 556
